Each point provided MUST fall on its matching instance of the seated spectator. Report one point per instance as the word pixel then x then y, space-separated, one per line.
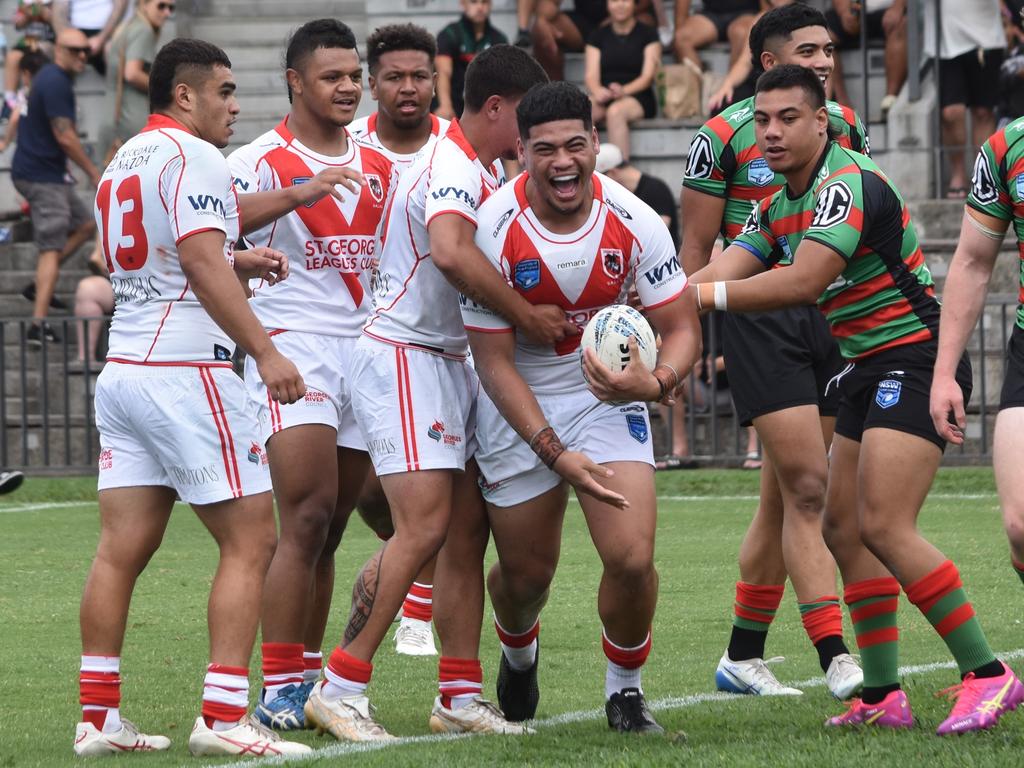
pixel 887 22
pixel 718 22
pixel 30 63
pixel 457 45
pixel 622 59
pixel 96 19
pixel 1011 73
pixel 94 305
pixel 650 189
pixel 34 19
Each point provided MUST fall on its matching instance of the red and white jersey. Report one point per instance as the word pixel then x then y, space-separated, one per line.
pixel 623 242
pixel 332 245
pixel 365 129
pixel 415 304
pixel 162 186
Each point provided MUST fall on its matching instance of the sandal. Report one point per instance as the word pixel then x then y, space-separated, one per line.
pixel 676 462
pixel 752 461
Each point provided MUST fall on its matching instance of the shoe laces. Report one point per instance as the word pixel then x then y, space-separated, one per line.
pixel 365 722
pixel 763 675
pixel 487 709
pixel 851 707
pixel 965 694
pixel 297 695
pixel 260 729
pixel 846 662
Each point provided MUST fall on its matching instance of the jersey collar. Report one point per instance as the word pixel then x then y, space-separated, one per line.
pixel 157 121
pixel 459 138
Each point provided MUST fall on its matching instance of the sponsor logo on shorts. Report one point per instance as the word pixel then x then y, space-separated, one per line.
pixel 106 459
pixel 888 393
pixel 257 455
pixel 488 489
pixel 527 274
pixel 381 446
pixel 637 427
pixel 759 174
pixel 314 397
pixel 221 353
pixel 195 475
pixel 436 432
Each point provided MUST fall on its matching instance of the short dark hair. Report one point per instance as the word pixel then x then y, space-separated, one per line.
pixel 319 33
pixel 32 62
pixel 553 101
pixel 793 76
pixel 177 60
pixel 782 22
pixel 501 70
pixel 398 37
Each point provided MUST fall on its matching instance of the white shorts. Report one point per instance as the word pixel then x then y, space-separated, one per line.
pixel 511 473
pixel 186 427
pixel 325 363
pixel 416 410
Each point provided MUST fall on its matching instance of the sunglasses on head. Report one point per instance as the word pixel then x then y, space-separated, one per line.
pixel 166 7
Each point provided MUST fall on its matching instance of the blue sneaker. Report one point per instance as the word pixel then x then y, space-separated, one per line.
pixel 285 712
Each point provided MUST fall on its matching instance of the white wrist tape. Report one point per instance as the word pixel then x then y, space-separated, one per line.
pixel 721 299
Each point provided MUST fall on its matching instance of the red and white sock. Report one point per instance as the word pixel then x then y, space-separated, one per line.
pixel 623 664
pixel 459 681
pixel 225 696
pixel 99 692
pixel 346 676
pixel 419 604
pixel 282 666
pixel 313 663
pixel 520 649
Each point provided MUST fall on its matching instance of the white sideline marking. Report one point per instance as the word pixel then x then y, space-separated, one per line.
pixel 567 718
pixel 48 505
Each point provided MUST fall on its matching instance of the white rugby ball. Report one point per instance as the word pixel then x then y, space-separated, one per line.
pixel 608 332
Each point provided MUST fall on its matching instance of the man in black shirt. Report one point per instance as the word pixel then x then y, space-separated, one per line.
pixel 457 44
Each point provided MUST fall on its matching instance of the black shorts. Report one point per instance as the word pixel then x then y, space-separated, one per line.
pixel 844 39
pixel 648 102
pixel 780 359
pixel 966 80
pixel 722 21
pixel 891 390
pixel 1012 395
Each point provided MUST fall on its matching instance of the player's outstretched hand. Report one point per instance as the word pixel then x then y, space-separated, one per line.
pixel 948 399
pixel 634 382
pixel 547 324
pixel 283 380
pixel 580 472
pixel 264 263
pixel 327 181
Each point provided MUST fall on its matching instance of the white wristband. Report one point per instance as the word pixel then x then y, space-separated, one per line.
pixel 721 299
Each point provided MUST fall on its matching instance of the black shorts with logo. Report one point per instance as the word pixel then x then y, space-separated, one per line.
pixel 891 389
pixel 1012 395
pixel 780 359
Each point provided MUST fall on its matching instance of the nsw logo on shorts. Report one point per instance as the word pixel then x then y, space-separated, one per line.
pixel 888 393
pixel 637 425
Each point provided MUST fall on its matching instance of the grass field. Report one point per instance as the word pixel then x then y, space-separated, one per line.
pixel 49 531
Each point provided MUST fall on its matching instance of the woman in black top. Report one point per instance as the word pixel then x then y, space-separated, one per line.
pixel 622 60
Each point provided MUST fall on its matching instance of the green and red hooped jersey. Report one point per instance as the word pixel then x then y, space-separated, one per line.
pixel 724 160
pixel 997 188
pixel 885 296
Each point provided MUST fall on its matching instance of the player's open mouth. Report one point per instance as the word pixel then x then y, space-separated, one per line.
pixel 774 152
pixel 566 186
pixel 346 103
pixel 408 107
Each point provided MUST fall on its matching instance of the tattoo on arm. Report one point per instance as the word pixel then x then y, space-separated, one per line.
pixel 547 446
pixel 364 594
pixel 62 125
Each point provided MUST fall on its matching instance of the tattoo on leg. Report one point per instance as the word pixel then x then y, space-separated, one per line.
pixel 364 593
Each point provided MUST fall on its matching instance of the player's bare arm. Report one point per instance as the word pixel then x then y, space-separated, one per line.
pixel 213 282
pixel 734 263
pixel 67 137
pixel 701 215
pixel 962 299
pixel 455 253
pixel 493 357
pixel 257 209
pixel 261 263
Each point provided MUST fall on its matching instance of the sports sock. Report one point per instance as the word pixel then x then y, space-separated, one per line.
pixel 99 692
pixel 940 597
pixel 419 603
pixel 1019 568
pixel 312 663
pixel 346 676
pixel 520 649
pixel 873 605
pixel 459 681
pixel 753 612
pixel 282 666
pixel 624 664
pixel 225 696
pixel 823 622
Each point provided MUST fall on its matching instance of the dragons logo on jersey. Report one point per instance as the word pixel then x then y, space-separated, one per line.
pixel 700 162
pixel 612 262
pixel 984 186
pixel 759 174
pixel 834 205
pixel 527 274
pixel 375 186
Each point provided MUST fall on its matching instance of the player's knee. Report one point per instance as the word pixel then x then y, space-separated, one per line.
pixel 954 113
pixel 333 538
pixel 305 526
pixel 807 494
pixel 634 571
pixel 524 585
pixel 877 532
pixel 1013 524
pixel 373 508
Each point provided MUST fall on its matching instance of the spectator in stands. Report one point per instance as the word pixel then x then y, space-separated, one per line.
pixel 457 45
pixel 650 189
pixel 622 59
pixel 34 19
pixel 970 54
pixel 29 65
pixel 47 139
pixel 97 19
pixel 886 21
pixel 1011 73
pixel 94 304
pixel 718 21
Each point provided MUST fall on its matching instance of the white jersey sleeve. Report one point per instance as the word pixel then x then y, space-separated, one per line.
pixel 454 186
pixel 249 174
pixel 494 217
pixel 194 183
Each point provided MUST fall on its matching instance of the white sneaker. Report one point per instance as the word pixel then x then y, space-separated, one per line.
pixel 415 638
pixel 90 741
pixel 751 676
pixel 479 716
pixel 349 718
pixel 249 737
pixel 844 676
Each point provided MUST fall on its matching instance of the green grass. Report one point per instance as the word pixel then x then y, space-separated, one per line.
pixel 46 551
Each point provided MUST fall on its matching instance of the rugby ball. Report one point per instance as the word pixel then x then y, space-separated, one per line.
pixel 608 332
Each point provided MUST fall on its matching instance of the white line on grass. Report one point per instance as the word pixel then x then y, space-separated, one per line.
pixel 568 718
pixel 47 505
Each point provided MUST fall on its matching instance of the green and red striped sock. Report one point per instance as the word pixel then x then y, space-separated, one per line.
pixel 873 605
pixel 753 613
pixel 823 622
pixel 941 598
